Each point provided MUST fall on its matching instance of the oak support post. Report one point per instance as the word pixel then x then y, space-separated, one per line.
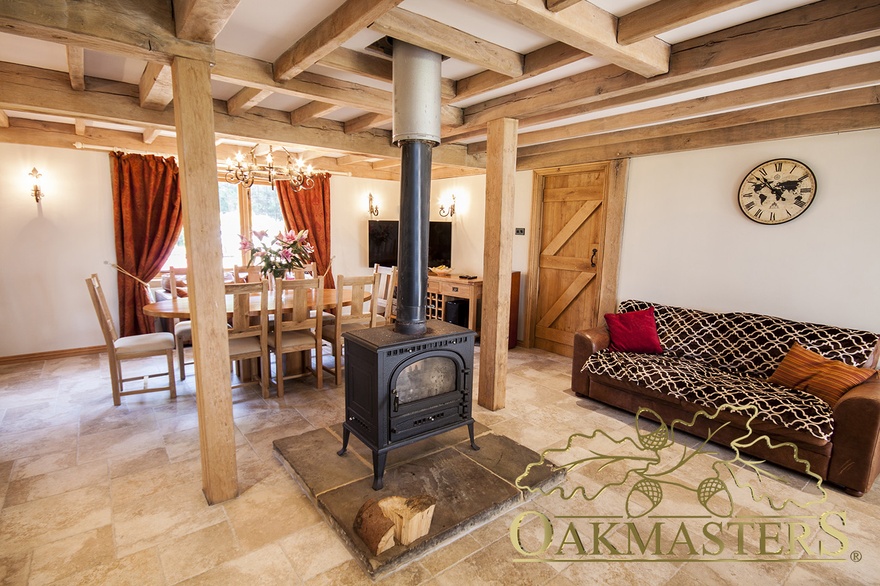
pixel 194 120
pixel 497 261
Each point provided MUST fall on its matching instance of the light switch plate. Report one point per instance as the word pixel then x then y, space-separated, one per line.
pixel 520 232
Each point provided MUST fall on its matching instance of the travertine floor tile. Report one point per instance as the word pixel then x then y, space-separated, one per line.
pixel 138 462
pixel 267 566
pixel 314 549
pixel 43 464
pixel 198 552
pixel 29 525
pixel 165 515
pixel 52 483
pixel 72 555
pixel 139 569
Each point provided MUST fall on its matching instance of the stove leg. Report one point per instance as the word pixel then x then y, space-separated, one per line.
pixel 345 435
pixel 378 469
pixel 471 433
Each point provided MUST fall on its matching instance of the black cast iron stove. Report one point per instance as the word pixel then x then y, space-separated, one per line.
pixel 402 388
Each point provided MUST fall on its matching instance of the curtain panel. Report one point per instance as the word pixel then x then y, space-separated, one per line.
pixel 309 209
pixel 148 219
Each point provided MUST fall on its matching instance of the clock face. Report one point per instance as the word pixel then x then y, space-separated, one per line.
pixel 777 191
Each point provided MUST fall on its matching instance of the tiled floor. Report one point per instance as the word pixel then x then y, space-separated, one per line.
pixel 96 494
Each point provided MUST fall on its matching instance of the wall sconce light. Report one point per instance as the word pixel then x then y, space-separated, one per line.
pixel 374 209
pixel 36 191
pixel 448 212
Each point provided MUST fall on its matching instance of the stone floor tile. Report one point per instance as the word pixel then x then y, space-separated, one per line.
pixel 198 552
pixel 43 521
pixel 61 481
pixel 72 555
pixel 314 549
pixel 139 569
pixel 43 464
pixel 37 442
pixel 14 568
pixel 267 566
pixel 129 464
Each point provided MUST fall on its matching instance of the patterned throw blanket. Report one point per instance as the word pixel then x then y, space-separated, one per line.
pixel 712 359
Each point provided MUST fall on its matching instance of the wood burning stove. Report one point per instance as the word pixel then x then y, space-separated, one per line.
pixel 402 388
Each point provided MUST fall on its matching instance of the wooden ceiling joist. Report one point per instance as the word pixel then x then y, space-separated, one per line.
pixel 245 99
pixel 446 40
pixel 588 28
pixel 837 80
pixel 76 67
pixel 4 119
pixel 142 29
pixel 310 111
pixel 155 86
pixel 665 15
pixel 348 20
pixel 202 20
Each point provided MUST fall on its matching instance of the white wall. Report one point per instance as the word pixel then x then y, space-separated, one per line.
pixel 686 242
pixel 50 248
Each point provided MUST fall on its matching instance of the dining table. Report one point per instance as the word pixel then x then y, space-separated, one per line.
pixel 179 308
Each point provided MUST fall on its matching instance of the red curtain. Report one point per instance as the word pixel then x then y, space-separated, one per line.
pixel 148 218
pixel 309 209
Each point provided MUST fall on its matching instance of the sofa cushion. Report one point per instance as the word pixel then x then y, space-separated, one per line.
pixel 710 387
pixel 634 331
pixel 749 343
pixel 827 379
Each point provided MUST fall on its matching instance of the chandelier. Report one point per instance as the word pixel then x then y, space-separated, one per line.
pixel 245 169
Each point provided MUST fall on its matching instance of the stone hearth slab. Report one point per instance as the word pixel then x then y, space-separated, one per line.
pixel 471 487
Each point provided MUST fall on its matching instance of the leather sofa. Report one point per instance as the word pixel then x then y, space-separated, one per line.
pixel 713 360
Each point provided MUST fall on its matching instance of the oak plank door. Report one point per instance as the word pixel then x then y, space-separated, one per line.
pixel 571 232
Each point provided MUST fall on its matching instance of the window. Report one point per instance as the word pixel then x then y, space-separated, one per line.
pixel 265 214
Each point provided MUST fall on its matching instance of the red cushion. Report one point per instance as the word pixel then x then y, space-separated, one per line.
pixel 634 331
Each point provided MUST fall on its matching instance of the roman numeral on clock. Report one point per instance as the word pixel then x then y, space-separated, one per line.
pixel 749 205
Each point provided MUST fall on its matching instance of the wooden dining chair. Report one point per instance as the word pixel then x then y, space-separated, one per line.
pixel 297 327
pixel 308 271
pixel 246 274
pixel 182 328
pixel 383 291
pixel 390 313
pixel 248 334
pixel 129 347
pixel 357 316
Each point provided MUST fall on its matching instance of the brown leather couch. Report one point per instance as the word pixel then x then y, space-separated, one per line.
pixel 850 458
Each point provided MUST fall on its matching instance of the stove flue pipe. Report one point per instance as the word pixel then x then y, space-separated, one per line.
pixel 416 130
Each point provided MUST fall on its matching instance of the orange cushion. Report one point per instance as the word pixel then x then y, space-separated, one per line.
pixel 827 379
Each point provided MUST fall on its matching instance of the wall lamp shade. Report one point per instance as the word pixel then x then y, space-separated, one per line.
pixel 450 211
pixel 374 209
pixel 35 190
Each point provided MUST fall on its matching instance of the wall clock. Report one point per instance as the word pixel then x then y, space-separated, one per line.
pixel 777 191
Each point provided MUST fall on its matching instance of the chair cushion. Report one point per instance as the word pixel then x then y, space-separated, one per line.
pixel 183 331
pixel 296 340
pixel 158 342
pixel 238 346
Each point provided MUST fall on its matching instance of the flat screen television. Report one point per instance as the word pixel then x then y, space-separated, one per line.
pixel 383 236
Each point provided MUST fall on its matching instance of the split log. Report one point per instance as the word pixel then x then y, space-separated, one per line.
pixel 374 527
pixel 411 516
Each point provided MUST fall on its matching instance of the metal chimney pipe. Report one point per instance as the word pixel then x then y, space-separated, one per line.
pixel 416 129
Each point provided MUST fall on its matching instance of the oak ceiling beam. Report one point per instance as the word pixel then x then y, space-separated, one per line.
pixel 255 73
pixel 202 20
pixel 79 126
pixel 559 5
pixel 862 118
pixel 314 109
pixel 799 36
pixel 588 28
pixel 386 164
pixel 864 96
pixel 76 67
pixel 665 15
pixel 245 99
pixel 366 122
pixel 780 91
pixel 4 119
pixel 446 40
pixel 348 20
pixel 374 67
pixel 143 29
pixel 535 63
pixel 31 89
pixel 155 90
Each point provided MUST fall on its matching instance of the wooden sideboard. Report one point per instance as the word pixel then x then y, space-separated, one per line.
pixel 440 289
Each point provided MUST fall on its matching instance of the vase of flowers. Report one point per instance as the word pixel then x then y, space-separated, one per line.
pixel 286 252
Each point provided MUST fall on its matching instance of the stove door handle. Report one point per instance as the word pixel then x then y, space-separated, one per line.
pixel 396 400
